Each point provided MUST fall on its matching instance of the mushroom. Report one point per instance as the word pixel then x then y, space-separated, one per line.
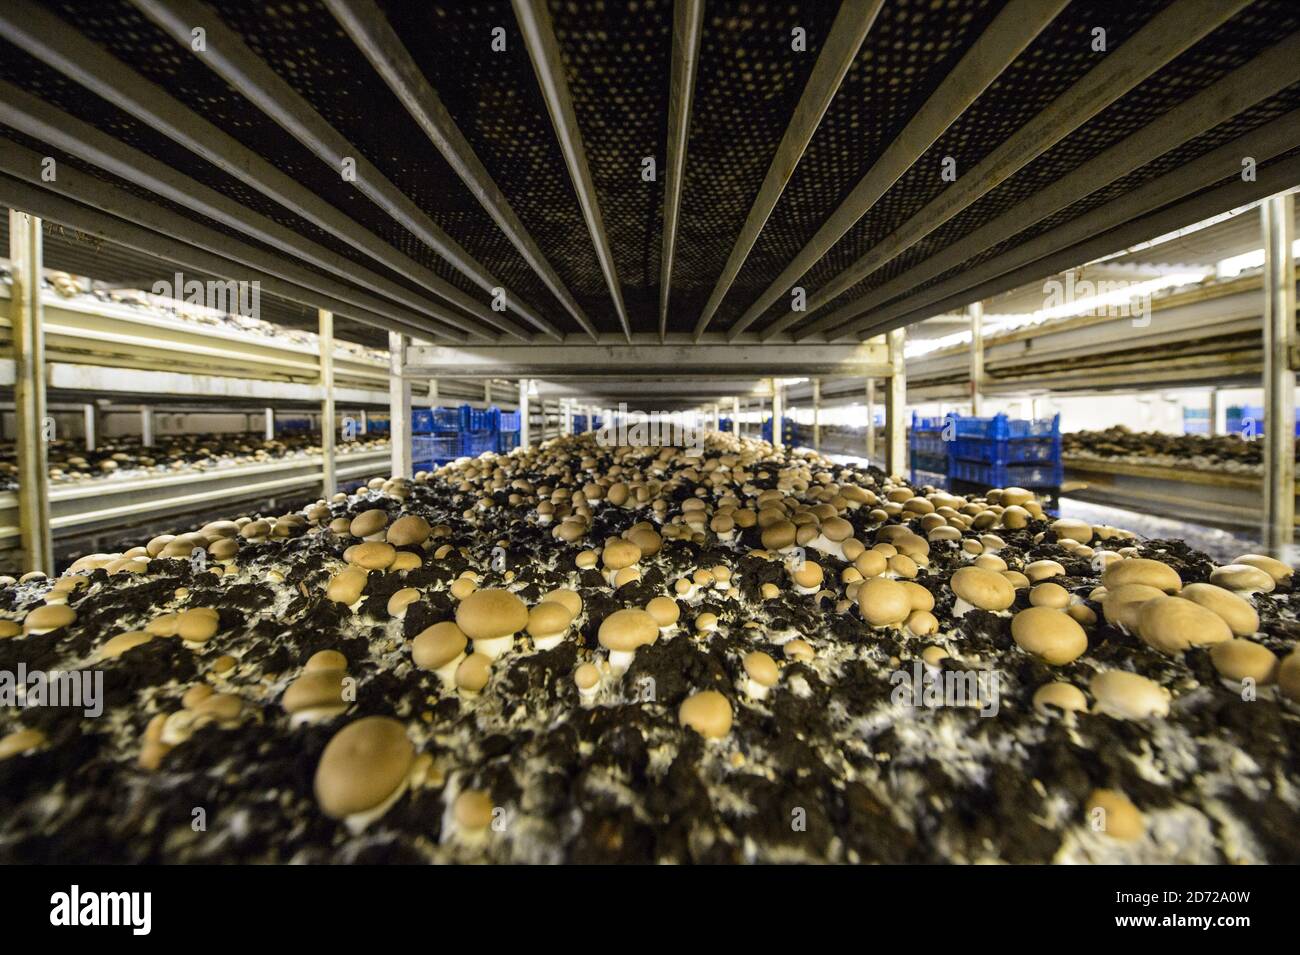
pixel 440 648
pixel 400 601
pixel 345 587
pixel 883 602
pixel 316 696
pixel 1270 565
pixel 807 577
pixel 548 623
pixel 410 530
pixel 1235 611
pixel 491 618
pixel 1049 595
pixel 1242 579
pixel 19 742
pixel 761 674
pixel 707 712
pixel 1122 605
pixel 1288 676
pixel 587 679
pixel 1063 696
pixel 473 811
pixel 799 650
pixel 114 647
pixel 197 625
pixel 369 524
pixel 977 588
pixel 472 674
pixel 1050 635
pixel 1128 696
pixel 364 770
pixel 1172 624
pixel 1111 812
pixel 1140 570
pixel 622 632
pixel 666 612
pixel 49 617
pixel 1240 660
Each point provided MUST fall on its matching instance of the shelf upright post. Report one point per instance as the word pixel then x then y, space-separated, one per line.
pixel 146 426
pixel 1212 415
pixel 1280 338
pixel 33 426
pixel 896 407
pixel 268 429
pixel 523 414
pixel 364 422
pixel 88 413
pixel 817 414
pixel 735 416
pixel 976 312
pixel 871 418
pixel 328 482
pixel 778 412
pixel 399 407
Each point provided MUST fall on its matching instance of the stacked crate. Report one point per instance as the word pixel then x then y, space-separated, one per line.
pixel 1006 452
pixel 928 451
pixel 507 428
pixel 435 437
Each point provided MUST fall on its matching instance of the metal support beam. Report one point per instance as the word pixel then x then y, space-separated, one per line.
pixel 871 419
pixel 364 422
pixel 146 426
pixel 896 407
pixel 735 417
pixel 1115 225
pixel 1278 215
pixel 817 414
pixel 976 312
pixel 778 412
pixel 27 322
pixel 1002 41
pixel 524 413
pixel 51 40
pixel 1265 75
pixel 543 49
pixel 268 430
pixel 672 360
pixel 399 407
pixel 1166 35
pixel 327 428
pixel 369 29
pixel 687 17
pixel 838 52
pixel 88 428
pixel 1212 416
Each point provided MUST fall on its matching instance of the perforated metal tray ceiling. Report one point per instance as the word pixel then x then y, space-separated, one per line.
pixel 557 107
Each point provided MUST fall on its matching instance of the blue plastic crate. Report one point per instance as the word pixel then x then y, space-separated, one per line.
pixel 422 421
pixel 921 476
pixel 1001 428
pixel 445 419
pixel 921 442
pixel 508 420
pixel 929 425
pixel 1007 450
pixel 507 441
pixel 429 451
pixel 474 443
pixel 1010 475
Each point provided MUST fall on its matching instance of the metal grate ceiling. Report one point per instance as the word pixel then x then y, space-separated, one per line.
pixel 616 57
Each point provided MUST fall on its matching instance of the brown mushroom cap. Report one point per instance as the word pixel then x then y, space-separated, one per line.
pixel 1244 659
pixel 473 810
pixel 473 673
pixel 1118 817
pixel 325 660
pixel 548 619
pixel 883 602
pixel 345 587
pixel 372 555
pixel 619 554
pixel 809 574
pixel 436 646
pixel 363 765
pixel 48 617
pixel 761 668
pixel 586 676
pixel 982 588
pixel 1052 636
pixel 570 598
pixel 1128 696
pixel 1236 612
pixel 1141 570
pixel 1122 604
pixel 779 535
pixel 707 712
pixel 1242 577
pixel 1172 624
pixel 116 646
pixel 1065 696
pixel 488 614
pixel 1049 595
pixel 315 689
pixel 1270 565
pixel 625 630
pixel 368 522
pixel 20 741
pixel 197 624
pixel 408 530
pixel 401 600
pixel 1068 528
pixel 1288 676
pixel 665 610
